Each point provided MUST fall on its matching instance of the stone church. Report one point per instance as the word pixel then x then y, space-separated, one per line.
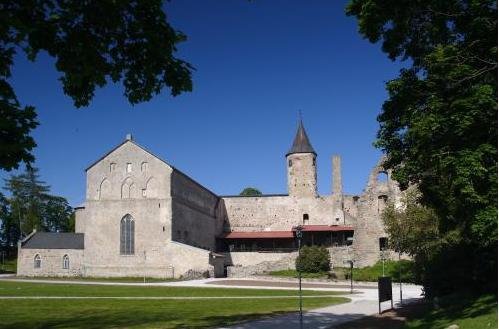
pixel 144 217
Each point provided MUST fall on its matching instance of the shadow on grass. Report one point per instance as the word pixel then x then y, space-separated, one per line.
pixel 424 315
pixel 122 319
pixel 453 308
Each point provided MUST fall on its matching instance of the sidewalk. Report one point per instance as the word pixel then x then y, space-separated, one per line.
pixel 364 303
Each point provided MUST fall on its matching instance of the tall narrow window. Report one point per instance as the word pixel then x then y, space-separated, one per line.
pixel 383 243
pixel 128 167
pixel 127 235
pixel 112 166
pixel 65 262
pixel 38 261
pixel 305 218
pixel 382 201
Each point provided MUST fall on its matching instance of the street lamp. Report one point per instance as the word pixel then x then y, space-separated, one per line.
pixel 298 234
pixel 350 262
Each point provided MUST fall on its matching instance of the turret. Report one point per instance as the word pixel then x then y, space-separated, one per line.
pixel 301 164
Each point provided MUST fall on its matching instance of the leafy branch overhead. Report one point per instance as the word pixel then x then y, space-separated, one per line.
pixel 93 43
pixel 438 126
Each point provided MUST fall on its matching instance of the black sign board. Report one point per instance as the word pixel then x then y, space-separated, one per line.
pixel 384 290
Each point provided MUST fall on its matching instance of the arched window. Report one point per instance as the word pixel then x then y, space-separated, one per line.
pixel 382 177
pixel 65 262
pixel 305 218
pixel 127 235
pixel 38 261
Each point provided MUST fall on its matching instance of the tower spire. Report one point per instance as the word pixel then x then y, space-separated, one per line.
pixel 301 144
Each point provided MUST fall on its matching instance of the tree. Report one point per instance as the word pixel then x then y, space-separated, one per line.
pixel 413 229
pixel 32 207
pixel 438 126
pixel 250 191
pixel 9 228
pixel 313 259
pixel 93 42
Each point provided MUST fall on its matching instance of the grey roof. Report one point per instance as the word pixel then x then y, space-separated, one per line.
pixel 45 240
pixel 301 144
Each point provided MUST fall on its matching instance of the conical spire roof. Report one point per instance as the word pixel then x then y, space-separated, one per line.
pixel 301 144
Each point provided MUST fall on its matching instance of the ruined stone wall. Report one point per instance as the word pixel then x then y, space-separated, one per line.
pixel 51 262
pixel 252 263
pixel 370 205
pixel 279 212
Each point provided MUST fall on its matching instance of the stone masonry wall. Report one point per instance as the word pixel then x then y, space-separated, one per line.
pixel 279 212
pixel 302 175
pixel 51 262
pixel 194 213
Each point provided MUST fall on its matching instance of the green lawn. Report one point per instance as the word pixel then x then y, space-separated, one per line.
pixel 369 273
pixel 98 313
pixel 466 312
pixel 294 274
pixel 10 266
pixel 126 279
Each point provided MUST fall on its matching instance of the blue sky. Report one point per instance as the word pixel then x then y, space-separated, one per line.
pixel 257 63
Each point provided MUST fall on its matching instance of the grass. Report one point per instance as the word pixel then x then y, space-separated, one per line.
pixel 463 310
pixel 467 312
pixel 294 274
pixel 369 273
pixel 10 266
pixel 96 313
pixel 100 279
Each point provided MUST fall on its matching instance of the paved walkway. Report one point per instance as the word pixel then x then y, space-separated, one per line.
pixel 364 302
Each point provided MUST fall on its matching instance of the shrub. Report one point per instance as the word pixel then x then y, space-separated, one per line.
pixel 313 260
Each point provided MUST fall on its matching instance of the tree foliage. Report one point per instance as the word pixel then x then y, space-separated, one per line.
pixel 250 191
pixel 93 42
pixel 438 126
pixel 313 259
pixel 31 206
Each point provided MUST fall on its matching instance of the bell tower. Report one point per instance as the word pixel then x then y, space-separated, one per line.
pixel 302 168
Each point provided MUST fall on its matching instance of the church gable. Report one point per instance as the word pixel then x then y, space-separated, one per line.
pixel 128 172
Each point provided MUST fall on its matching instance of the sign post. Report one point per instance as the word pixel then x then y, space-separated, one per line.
pixel 384 290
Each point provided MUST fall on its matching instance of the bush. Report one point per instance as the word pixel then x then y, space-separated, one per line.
pixel 313 260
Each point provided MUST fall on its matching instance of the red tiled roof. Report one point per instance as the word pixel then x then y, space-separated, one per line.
pixel 260 235
pixel 286 234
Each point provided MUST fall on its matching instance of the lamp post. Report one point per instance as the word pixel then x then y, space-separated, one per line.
pixel 297 232
pixel 350 262
pixel 400 279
